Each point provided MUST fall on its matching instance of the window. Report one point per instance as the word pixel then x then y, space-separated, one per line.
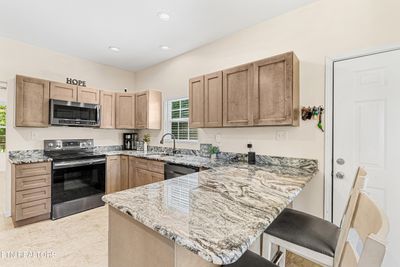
pixel 178 120
pixel 2 128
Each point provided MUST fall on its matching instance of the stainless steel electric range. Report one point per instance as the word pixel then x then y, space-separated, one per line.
pixel 78 176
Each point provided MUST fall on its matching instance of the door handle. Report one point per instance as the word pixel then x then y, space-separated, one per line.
pixel 340 175
pixel 340 161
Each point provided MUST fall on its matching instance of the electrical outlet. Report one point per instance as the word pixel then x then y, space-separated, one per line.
pixel 33 135
pixel 218 138
pixel 281 136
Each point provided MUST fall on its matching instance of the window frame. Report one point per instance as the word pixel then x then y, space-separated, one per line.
pixel 168 121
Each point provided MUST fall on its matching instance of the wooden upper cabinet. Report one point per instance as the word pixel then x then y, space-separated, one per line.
pixel 276 91
pixel 107 109
pixel 32 102
pixel 237 96
pixel 213 99
pixel 88 95
pixel 125 111
pixel 63 91
pixel 196 102
pixel 148 110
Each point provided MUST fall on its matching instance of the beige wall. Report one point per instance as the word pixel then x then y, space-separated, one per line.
pixel 324 28
pixel 20 58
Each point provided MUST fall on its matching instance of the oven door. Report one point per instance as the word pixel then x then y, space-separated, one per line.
pixel 74 113
pixel 77 186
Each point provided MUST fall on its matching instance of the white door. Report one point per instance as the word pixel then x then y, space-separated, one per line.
pixel 366 130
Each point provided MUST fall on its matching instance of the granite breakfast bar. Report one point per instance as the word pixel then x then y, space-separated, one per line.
pixel 208 218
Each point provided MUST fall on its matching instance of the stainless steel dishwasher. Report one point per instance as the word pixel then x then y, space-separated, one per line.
pixel 172 170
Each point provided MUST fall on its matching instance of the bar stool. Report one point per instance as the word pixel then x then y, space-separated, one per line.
pixel 318 240
pixel 251 259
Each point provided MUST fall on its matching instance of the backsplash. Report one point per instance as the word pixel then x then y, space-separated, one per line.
pixel 226 156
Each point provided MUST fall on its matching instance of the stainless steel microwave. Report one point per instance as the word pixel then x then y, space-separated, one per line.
pixel 67 113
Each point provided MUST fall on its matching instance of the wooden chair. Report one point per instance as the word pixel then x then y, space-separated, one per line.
pixel 311 237
pixel 251 259
pixel 371 226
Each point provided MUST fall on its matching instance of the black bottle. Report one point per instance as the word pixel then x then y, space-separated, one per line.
pixel 251 156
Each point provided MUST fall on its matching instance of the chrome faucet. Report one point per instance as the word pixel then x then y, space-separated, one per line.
pixel 173 138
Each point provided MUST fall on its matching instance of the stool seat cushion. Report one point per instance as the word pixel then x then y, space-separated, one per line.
pixel 305 230
pixel 251 259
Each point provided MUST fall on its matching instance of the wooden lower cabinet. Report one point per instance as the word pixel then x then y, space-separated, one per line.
pixel 113 174
pixel 30 192
pixel 132 172
pixel 125 172
pixel 147 171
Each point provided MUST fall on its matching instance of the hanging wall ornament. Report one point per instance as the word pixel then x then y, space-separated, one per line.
pixel 316 113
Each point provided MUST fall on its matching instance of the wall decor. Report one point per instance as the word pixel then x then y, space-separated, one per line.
pixel 313 113
pixel 76 82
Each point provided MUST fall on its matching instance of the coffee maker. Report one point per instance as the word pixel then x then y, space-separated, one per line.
pixel 130 140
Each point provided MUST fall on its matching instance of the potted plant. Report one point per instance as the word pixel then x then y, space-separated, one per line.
pixel 214 150
pixel 146 141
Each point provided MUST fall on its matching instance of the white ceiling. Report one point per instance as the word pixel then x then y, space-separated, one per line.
pixel 86 28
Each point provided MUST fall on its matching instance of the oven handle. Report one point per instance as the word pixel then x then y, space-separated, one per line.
pixel 77 163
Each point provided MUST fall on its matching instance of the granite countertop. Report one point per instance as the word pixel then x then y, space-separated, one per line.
pixel 218 213
pixel 28 156
pixel 190 160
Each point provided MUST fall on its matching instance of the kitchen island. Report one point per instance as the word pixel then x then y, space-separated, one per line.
pixel 208 218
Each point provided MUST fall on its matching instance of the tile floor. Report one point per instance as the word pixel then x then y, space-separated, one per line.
pixel 77 240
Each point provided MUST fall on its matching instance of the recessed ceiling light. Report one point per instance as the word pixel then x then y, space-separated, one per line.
pixel 163 16
pixel 113 48
pixel 164 47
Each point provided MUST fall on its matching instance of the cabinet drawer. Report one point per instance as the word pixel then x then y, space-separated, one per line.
pixel 142 163
pixel 32 182
pixel 32 169
pixel 156 166
pixel 32 209
pixel 32 194
pixel 157 177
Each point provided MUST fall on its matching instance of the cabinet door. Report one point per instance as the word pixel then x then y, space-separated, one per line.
pixel 132 172
pixel 156 177
pixel 88 95
pixel 125 111
pixel 237 91
pixel 63 91
pixel 124 172
pixel 107 110
pixel 213 100
pixel 32 102
pixel 142 100
pixel 113 182
pixel 196 102
pixel 274 93
pixel 143 177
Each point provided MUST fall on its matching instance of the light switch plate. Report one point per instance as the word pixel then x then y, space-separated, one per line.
pixel 33 135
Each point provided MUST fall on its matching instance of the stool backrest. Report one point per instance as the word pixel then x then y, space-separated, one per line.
pixel 358 184
pixel 372 227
